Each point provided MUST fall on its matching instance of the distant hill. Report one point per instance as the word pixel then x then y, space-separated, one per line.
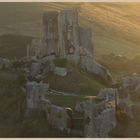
pixel 115 26
pixel 12 46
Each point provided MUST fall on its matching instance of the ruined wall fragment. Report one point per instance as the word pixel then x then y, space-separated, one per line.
pixel 35 92
pixel 51 35
pixel 86 45
pixel 99 118
pixel 69 33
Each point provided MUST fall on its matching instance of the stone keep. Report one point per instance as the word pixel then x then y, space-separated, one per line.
pixel 61 33
pixel 64 38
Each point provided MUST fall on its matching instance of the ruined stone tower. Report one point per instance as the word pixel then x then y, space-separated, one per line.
pixel 61 33
pixel 50 36
pixel 64 38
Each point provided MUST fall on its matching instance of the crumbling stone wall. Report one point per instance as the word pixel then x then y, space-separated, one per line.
pixel 130 82
pixel 58 117
pixel 108 94
pixel 35 68
pixel 131 85
pixel 91 66
pixel 99 117
pixel 35 92
pixel 86 45
pixel 99 114
pixel 70 33
pixel 36 49
pixel 51 35
pixel 126 105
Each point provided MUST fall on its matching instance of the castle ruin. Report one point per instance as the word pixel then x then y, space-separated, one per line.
pixel 64 38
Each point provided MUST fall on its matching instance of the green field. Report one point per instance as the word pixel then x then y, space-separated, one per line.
pixel 67 101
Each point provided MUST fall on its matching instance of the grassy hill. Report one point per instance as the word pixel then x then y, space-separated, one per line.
pixel 115 26
pixel 76 81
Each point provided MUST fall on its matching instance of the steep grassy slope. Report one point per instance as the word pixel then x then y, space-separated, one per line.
pixel 115 26
pixel 76 81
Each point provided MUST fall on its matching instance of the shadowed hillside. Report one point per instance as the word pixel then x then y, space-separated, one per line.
pixel 115 26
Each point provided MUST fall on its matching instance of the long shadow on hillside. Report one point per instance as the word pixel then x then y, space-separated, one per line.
pixel 12 46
